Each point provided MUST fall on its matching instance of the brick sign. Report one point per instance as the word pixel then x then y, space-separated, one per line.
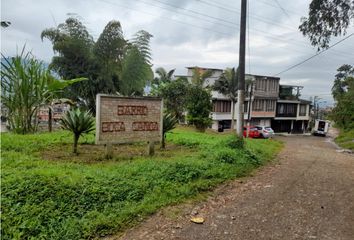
pixel 128 119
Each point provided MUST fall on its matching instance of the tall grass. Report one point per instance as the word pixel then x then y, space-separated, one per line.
pixel 44 199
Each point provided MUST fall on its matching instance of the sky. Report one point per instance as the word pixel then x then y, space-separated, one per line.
pixel 202 33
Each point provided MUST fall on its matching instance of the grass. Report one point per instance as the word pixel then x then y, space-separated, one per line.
pixel 49 197
pixel 346 139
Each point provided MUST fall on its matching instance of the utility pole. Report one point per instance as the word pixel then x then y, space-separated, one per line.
pixel 241 81
pixel 249 110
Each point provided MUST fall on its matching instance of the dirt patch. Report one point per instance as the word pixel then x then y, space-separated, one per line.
pixel 91 153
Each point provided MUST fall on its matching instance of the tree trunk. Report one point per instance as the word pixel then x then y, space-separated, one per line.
pixel 50 119
pixel 163 141
pixel 232 115
pixel 76 139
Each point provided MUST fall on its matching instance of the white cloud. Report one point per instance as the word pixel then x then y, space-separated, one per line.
pixel 183 38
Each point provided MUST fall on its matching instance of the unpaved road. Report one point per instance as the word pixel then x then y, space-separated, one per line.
pixel 308 193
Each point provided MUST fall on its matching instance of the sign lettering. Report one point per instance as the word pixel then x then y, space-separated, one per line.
pixel 145 126
pixel 113 126
pixel 132 110
pixel 128 119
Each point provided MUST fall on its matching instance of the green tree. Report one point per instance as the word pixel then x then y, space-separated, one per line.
pixel 199 76
pixel 174 96
pixel 199 107
pixel 343 93
pixel 227 84
pixel 163 76
pixel 112 64
pixel 109 52
pixel 327 18
pixel 78 122
pixel 136 71
pixel 74 47
pixel 162 79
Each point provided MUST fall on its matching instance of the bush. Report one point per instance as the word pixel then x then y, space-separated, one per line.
pixel 235 142
pixel 199 107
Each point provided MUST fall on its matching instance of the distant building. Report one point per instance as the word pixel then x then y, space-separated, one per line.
pixel 58 111
pixel 266 103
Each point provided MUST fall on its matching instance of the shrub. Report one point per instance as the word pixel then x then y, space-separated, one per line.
pixel 199 107
pixel 78 123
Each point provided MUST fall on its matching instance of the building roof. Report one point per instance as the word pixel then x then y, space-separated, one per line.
pixel 204 68
pixel 285 85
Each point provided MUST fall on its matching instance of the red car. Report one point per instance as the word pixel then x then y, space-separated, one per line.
pixel 252 132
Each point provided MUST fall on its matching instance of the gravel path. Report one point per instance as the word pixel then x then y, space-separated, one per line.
pixel 308 193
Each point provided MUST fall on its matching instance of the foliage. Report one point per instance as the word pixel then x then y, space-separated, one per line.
pixel 343 93
pixel 109 51
pixel 23 82
pixel 62 200
pixel 26 86
pixel 199 107
pixel 199 76
pixel 327 18
pixel 174 96
pixel 163 76
pixel 162 79
pixel 111 64
pixel 227 84
pixel 169 123
pixel 78 122
pixel 346 139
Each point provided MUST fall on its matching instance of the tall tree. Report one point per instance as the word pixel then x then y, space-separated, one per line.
pixel 174 96
pixel 136 70
pixel 74 46
pixel 109 51
pixel 112 64
pixel 327 18
pixel 227 84
pixel 163 76
pixel 343 93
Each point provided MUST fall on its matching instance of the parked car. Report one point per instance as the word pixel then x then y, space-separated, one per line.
pixel 265 132
pixel 252 132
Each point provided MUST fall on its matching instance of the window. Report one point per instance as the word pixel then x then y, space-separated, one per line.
pixel 302 111
pixel 286 110
pixel 270 105
pixel 258 105
pixel 221 106
pixel 245 109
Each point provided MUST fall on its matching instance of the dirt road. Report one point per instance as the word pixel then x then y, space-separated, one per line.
pixel 308 193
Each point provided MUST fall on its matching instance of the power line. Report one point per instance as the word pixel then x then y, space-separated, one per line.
pixel 205 28
pixel 171 19
pixel 315 55
pixel 283 10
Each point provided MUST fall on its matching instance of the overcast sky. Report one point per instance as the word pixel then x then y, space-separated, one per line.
pixel 191 33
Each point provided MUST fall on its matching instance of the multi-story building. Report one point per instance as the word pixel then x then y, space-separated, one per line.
pixel 266 103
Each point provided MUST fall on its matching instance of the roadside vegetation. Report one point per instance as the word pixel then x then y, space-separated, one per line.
pixel 50 193
pixel 346 139
pixel 343 112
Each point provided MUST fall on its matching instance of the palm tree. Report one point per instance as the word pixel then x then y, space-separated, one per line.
pixel 199 76
pixel 78 122
pixel 163 76
pixel 227 84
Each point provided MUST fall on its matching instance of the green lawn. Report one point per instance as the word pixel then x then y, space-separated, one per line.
pixel 346 139
pixel 48 197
